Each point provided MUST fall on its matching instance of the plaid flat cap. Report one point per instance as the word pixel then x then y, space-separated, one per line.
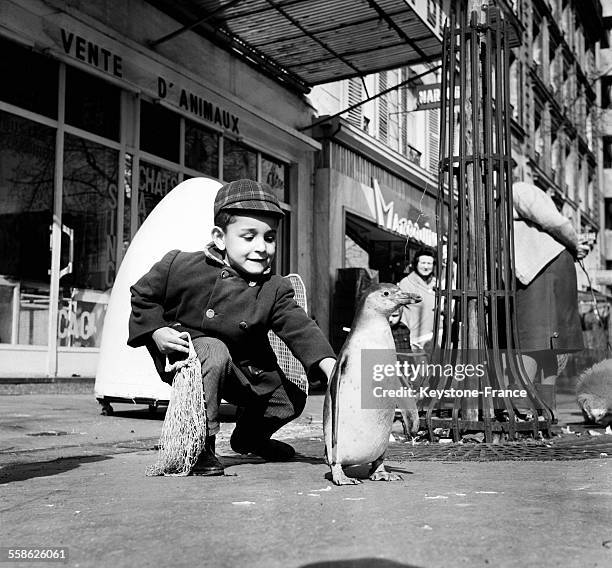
pixel 248 195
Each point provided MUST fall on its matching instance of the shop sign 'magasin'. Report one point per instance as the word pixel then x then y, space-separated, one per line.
pixel 391 221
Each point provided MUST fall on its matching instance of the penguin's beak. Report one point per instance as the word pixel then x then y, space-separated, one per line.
pixel 405 298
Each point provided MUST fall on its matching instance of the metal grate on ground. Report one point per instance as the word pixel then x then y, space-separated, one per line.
pixel 555 449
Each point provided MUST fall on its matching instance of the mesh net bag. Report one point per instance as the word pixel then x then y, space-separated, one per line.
pixel 184 428
pixel 288 363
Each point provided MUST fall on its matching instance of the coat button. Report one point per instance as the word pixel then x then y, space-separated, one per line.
pixel 243 325
pixel 210 314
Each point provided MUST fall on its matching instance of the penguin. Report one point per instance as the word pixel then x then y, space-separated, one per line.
pixel 353 434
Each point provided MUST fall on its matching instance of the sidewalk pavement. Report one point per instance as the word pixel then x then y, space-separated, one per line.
pixel 80 483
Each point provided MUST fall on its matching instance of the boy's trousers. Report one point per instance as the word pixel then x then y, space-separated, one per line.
pixel 262 415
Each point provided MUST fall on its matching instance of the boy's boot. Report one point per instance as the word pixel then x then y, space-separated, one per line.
pixel 208 463
pixel 270 450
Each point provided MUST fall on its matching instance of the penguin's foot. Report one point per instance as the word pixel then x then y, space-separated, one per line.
pixel 340 478
pixel 381 474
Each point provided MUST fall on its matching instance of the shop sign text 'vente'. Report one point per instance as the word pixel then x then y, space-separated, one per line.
pixel 91 53
pixel 388 219
pixel 104 59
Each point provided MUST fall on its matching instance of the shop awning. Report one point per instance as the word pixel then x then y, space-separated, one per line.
pixel 362 231
pixel 309 42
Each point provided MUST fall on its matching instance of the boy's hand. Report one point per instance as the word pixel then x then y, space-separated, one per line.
pixel 169 340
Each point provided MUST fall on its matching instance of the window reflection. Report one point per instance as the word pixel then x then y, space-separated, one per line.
pixel 92 104
pixel 274 173
pixel 127 201
pixel 90 208
pixel 89 212
pixel 27 155
pixel 201 149
pixel 155 183
pixel 159 131
pixel 81 318
pixel 238 161
pixel 29 80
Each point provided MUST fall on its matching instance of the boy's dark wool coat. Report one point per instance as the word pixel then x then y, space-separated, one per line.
pixel 198 293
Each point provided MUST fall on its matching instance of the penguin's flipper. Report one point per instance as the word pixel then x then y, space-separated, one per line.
pixel 334 388
pixel 379 473
pixel 340 478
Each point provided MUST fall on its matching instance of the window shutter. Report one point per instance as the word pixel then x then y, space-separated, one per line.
pixel 404 114
pixel 433 142
pixel 354 97
pixel 383 108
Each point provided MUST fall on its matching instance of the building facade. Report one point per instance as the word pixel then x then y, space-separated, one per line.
pixel 96 127
pixel 556 109
pixel 373 209
pixel 605 70
pixel 386 149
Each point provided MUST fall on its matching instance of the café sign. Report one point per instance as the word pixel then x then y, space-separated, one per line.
pixel 388 219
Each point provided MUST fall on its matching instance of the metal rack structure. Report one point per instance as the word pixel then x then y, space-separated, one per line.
pixel 475 315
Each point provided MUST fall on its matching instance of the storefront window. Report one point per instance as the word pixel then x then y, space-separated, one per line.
pixel 127 202
pixel 239 162
pixel 92 104
pixel 367 245
pixel 354 255
pixel 275 174
pixel 201 149
pixel 155 183
pixel 89 219
pixel 159 131
pixel 27 154
pixel 29 80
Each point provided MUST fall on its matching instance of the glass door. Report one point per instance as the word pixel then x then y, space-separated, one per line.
pixel 89 207
pixel 27 160
pixel 89 254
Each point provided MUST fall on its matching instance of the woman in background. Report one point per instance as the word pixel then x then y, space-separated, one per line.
pixel 419 318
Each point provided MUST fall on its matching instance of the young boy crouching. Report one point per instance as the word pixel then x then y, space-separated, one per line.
pixel 227 299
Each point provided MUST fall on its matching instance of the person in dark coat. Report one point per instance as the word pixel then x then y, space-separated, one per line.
pixel 226 298
pixel 546 247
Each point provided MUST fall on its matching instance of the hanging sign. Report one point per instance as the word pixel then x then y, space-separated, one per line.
pixel 428 96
